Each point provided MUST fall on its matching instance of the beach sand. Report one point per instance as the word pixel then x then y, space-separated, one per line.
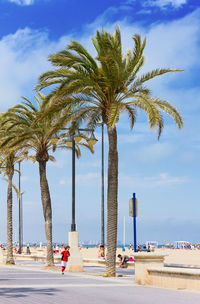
pixel 176 256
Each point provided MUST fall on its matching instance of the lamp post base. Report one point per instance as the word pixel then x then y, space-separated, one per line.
pixel 75 262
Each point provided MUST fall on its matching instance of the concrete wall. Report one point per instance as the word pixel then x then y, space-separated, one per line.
pixel 176 278
pixel 142 262
pixel 150 270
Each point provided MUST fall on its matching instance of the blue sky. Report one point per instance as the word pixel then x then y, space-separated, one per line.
pixel 164 174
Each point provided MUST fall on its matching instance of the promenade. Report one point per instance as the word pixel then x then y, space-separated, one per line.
pixel 27 283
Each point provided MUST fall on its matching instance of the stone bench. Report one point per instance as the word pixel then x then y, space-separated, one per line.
pixel 33 257
pixel 99 262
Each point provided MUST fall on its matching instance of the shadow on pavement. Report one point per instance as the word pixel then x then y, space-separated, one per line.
pixel 119 271
pixel 25 292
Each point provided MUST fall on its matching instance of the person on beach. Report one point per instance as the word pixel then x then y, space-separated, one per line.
pixel 123 260
pixel 101 252
pixel 57 249
pixel 28 249
pixel 64 259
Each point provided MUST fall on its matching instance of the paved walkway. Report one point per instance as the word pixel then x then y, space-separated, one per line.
pixel 26 283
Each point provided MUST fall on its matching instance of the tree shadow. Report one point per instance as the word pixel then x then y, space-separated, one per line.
pixel 25 292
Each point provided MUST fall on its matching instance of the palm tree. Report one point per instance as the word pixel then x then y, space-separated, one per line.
pixel 105 87
pixel 8 159
pixel 28 127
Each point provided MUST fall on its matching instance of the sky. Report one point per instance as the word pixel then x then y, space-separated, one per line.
pixel 164 174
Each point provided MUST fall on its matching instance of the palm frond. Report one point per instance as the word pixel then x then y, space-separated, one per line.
pixel 153 74
pixel 169 109
pixel 131 113
pixel 147 104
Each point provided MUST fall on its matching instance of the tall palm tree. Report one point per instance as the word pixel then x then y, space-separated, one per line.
pixel 28 127
pixel 8 159
pixel 105 87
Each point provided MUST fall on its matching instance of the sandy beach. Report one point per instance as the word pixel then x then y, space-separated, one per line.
pixel 176 256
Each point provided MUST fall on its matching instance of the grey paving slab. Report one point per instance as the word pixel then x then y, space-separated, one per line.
pixel 27 285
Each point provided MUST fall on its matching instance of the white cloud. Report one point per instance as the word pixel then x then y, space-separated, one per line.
pixel 60 162
pixel 87 179
pixel 63 182
pixel 22 2
pixel 164 3
pixel 163 179
pixel 167 46
pixel 155 152
pixel 25 178
pixel 171 40
pixel 23 57
pixel 188 157
pixel 130 138
pixel 90 164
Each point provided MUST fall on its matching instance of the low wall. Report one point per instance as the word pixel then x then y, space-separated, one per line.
pixel 57 259
pixel 32 257
pixel 176 278
pixel 150 270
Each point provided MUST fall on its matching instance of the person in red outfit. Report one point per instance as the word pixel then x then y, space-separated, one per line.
pixel 64 259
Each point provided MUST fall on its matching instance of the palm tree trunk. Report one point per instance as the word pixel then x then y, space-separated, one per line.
pixel 9 258
pixel 47 212
pixel 112 204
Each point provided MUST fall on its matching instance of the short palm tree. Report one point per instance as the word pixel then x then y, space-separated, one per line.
pixel 28 127
pixel 105 87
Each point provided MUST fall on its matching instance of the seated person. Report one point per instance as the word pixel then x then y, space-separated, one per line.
pixel 57 249
pixel 123 260
pixel 138 248
pixel 101 253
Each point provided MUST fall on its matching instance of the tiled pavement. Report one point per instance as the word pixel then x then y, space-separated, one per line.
pixel 27 283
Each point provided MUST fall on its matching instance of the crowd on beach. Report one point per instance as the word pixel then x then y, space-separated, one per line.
pixel 101 248
pixel 124 255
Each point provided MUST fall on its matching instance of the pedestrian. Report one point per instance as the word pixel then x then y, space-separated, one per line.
pixel 64 259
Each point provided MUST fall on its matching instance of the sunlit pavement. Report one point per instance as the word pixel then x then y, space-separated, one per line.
pixel 27 283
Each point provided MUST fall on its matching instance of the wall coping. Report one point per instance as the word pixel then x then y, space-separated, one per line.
pixel 170 270
pixel 182 265
pixel 33 257
pixel 149 256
